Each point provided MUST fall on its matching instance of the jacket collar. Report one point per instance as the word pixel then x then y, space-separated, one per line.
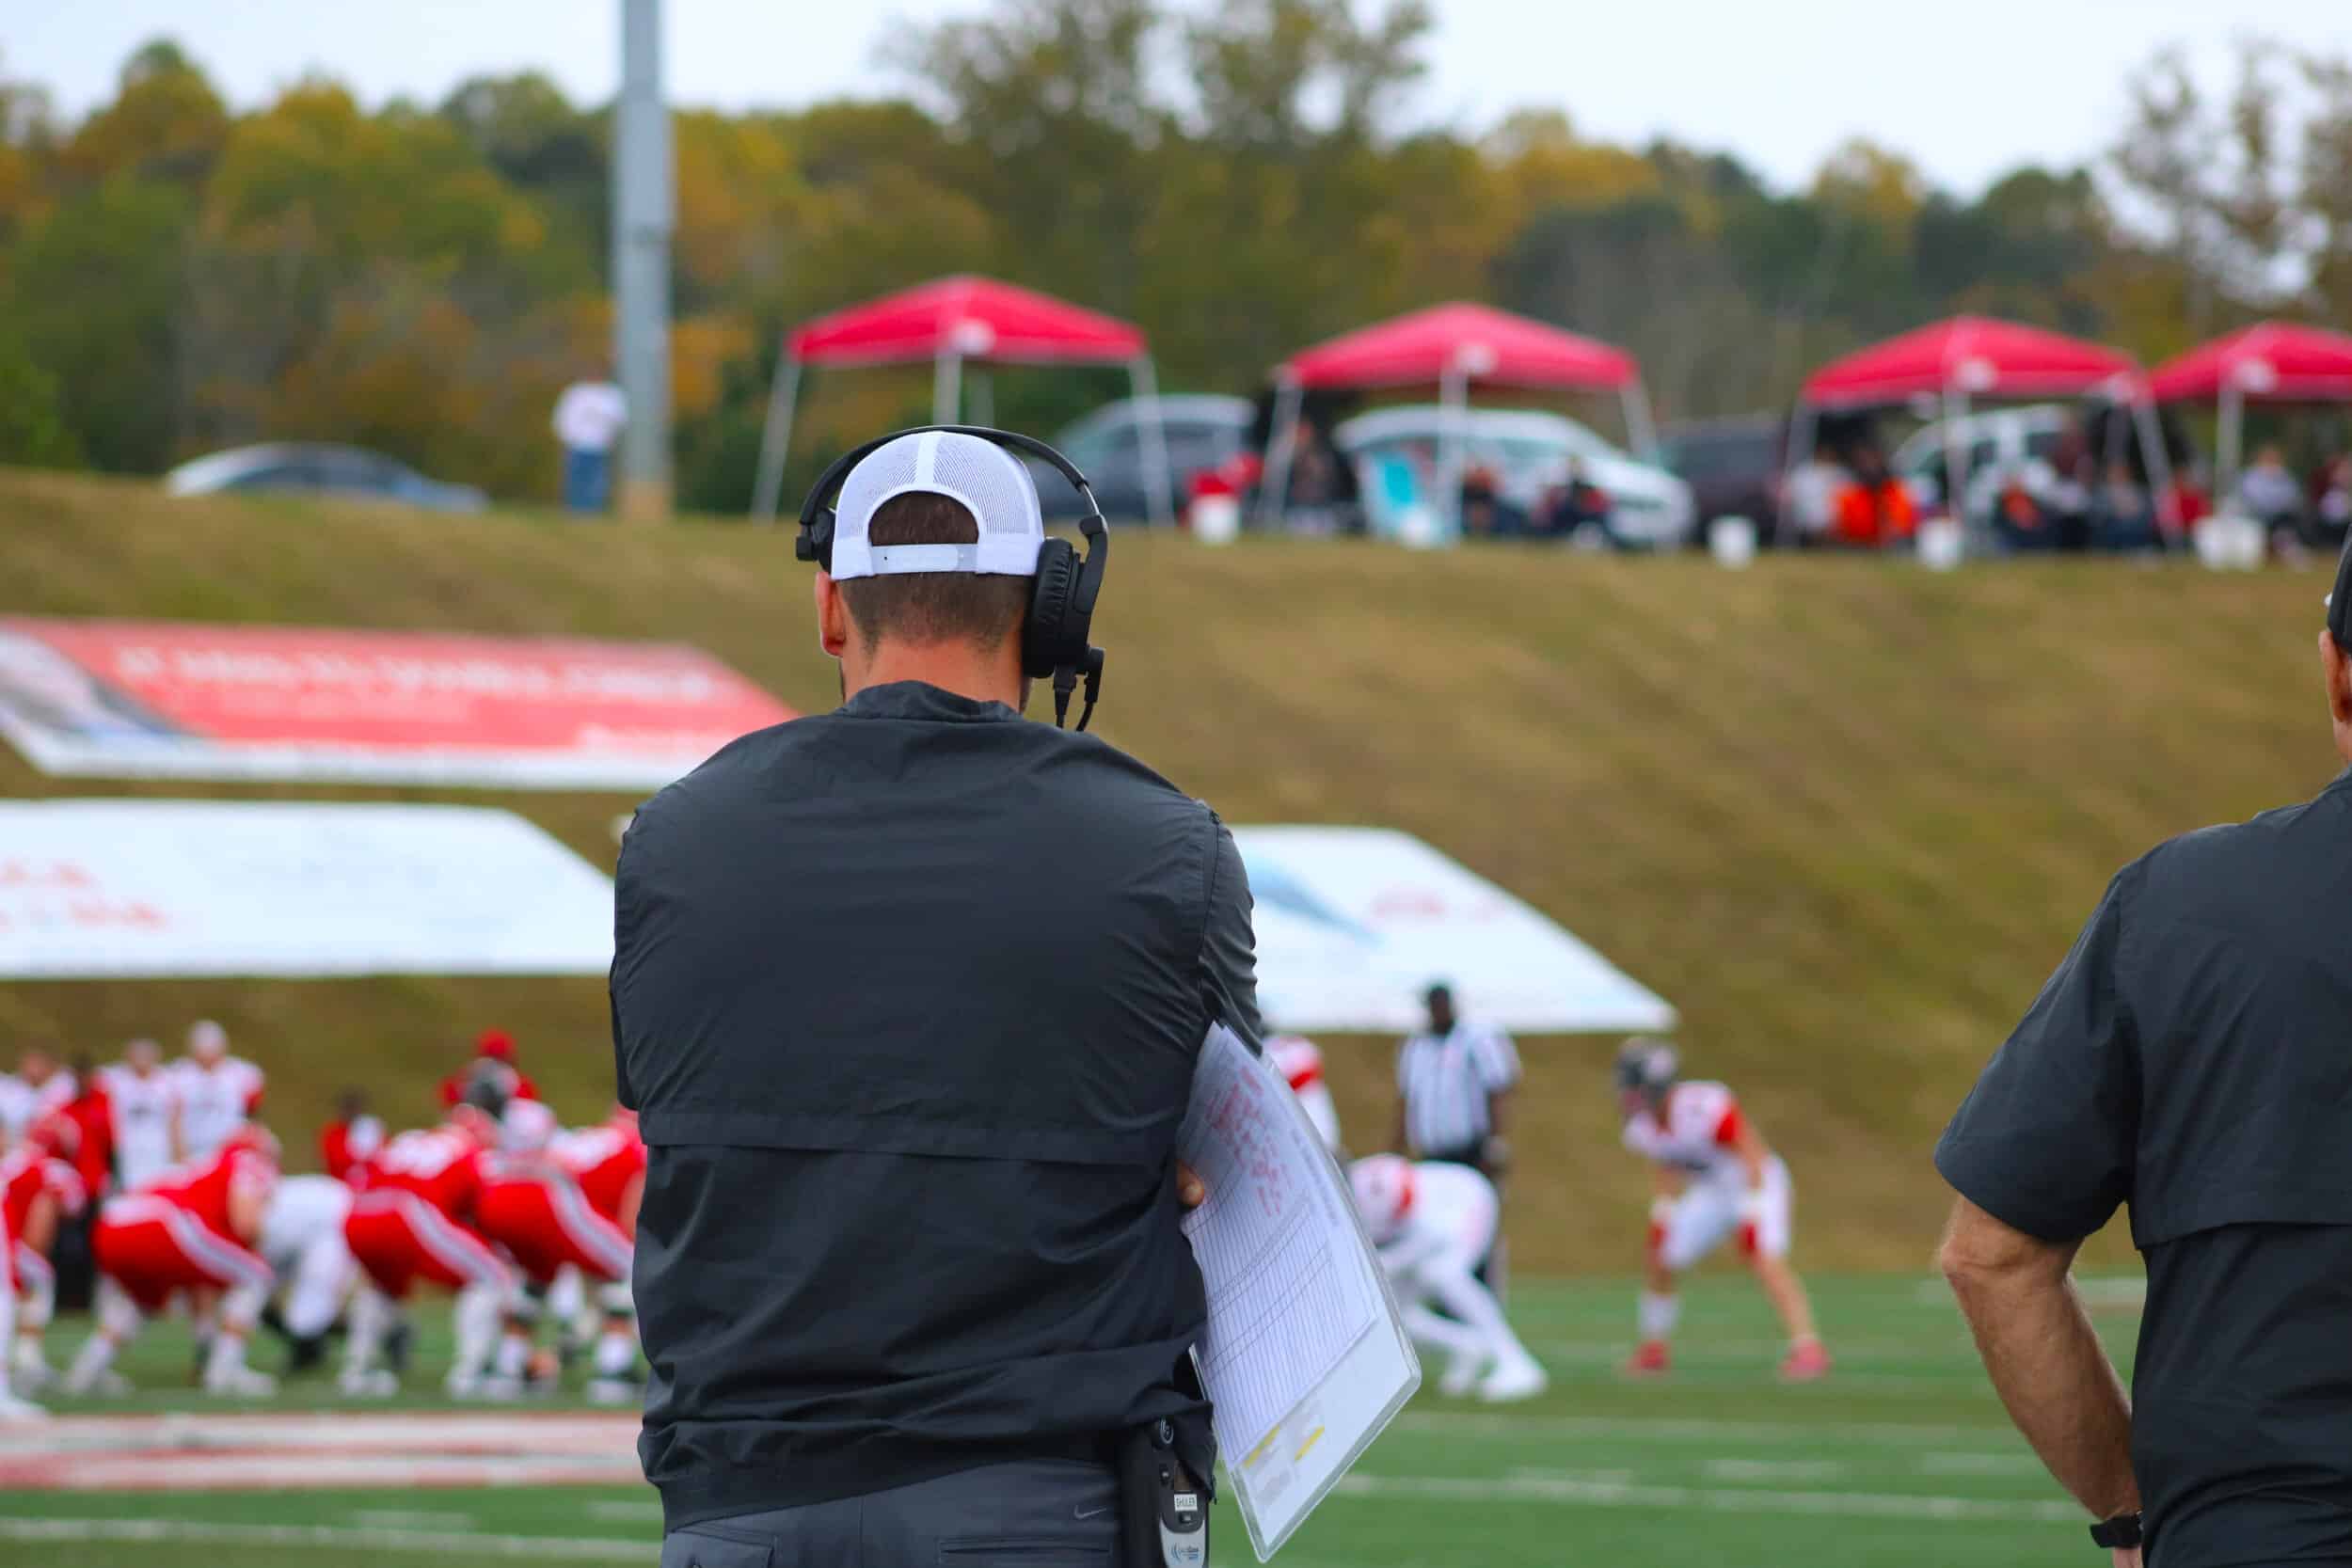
pixel 918 700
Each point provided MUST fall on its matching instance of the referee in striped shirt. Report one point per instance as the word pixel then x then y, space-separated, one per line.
pixel 1454 1084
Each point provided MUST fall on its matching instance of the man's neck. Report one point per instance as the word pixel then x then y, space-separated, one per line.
pixel 983 675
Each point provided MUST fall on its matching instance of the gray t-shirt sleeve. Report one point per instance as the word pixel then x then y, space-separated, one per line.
pixel 2045 1141
pixel 1229 944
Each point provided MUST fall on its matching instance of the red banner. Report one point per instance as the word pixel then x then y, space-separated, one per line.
pixel 148 698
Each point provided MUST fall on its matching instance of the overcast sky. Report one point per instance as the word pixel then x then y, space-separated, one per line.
pixel 1966 89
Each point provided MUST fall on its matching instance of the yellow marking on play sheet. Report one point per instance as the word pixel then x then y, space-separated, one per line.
pixel 1259 1452
pixel 1312 1439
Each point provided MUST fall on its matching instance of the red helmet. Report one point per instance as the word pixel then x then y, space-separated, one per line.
pixel 497 1044
pixel 57 1133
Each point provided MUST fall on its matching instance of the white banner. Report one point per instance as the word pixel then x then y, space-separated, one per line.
pixel 1354 924
pixel 92 889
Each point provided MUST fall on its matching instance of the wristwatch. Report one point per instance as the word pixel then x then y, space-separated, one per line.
pixel 2116 1534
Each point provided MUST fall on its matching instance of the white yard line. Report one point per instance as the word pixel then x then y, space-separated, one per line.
pixel 1574 1492
pixel 1476 1424
pixel 1773 1469
pixel 177 1532
pixel 620 1510
pixel 409 1518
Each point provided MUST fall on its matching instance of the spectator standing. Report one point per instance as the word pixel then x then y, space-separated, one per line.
pixel 143 1108
pixel 2123 515
pixel 2187 1058
pixel 218 1093
pixel 2332 506
pixel 589 418
pixel 2270 494
pixel 1810 510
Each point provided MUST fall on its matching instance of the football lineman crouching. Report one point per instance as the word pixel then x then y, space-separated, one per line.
pixel 1432 1224
pixel 1715 1178
pixel 193 1229
pixel 565 1205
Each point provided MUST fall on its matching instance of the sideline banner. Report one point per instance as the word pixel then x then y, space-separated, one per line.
pixel 1355 922
pixel 148 699
pixel 126 889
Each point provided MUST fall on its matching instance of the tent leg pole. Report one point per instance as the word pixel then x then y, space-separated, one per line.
pixel 1639 428
pixel 1159 484
pixel 946 388
pixel 1454 406
pixel 1274 486
pixel 1955 478
pixel 2232 438
pixel 775 439
pixel 2159 466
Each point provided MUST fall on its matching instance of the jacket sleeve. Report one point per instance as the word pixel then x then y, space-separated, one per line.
pixel 1229 942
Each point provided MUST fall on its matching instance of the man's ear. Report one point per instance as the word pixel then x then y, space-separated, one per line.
pixel 2337 667
pixel 833 616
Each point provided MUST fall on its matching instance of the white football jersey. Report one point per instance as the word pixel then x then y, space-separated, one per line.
pixel 301 1210
pixel 215 1101
pixel 22 1104
pixel 1416 1210
pixel 142 1109
pixel 1299 1060
pixel 1698 1131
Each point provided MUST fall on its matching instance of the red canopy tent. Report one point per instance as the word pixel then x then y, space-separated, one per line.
pixel 950 321
pixel 1971 358
pixel 2273 362
pixel 1452 346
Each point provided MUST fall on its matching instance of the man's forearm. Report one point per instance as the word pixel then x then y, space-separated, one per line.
pixel 2047 1365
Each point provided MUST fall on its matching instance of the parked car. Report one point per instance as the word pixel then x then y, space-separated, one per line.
pixel 1202 431
pixel 1531 456
pixel 316 468
pixel 1994 444
pixel 1733 467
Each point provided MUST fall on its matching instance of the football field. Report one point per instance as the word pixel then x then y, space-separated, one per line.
pixel 1902 1456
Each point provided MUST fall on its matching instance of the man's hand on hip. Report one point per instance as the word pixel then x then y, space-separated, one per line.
pixel 1190 1189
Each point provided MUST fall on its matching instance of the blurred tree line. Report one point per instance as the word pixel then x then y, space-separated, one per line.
pixel 1240 176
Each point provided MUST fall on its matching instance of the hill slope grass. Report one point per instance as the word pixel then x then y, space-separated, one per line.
pixel 1847 815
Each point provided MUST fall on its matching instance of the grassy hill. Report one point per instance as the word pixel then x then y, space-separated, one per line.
pixel 1846 815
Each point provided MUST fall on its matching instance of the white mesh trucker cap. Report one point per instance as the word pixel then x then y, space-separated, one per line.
pixel 993 486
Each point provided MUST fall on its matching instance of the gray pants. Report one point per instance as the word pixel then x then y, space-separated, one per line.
pixel 1032 1513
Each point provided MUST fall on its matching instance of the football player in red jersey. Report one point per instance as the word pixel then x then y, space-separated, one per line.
pixel 38 1186
pixel 415 1221
pixel 193 1228
pixel 609 1163
pixel 1715 1178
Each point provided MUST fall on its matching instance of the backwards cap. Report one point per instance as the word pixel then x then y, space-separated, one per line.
pixel 988 482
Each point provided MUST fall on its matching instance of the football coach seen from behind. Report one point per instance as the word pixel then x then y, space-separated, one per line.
pixel 2192 1057
pixel 909 997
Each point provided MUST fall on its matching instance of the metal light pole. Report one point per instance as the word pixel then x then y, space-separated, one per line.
pixel 642 217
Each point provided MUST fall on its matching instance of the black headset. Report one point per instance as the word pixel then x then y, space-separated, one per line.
pixel 1062 603
pixel 2340 602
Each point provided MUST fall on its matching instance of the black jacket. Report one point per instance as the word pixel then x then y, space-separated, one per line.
pixel 908 996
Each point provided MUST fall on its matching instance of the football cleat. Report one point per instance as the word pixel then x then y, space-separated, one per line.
pixel 377 1385
pixel 14 1411
pixel 1512 1381
pixel 240 1383
pixel 1461 1376
pixel 1649 1360
pixel 1806 1362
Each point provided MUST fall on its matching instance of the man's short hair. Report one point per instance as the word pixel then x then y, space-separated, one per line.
pixel 933 607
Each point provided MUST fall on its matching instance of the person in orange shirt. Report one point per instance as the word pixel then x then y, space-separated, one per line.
pixel 1876 510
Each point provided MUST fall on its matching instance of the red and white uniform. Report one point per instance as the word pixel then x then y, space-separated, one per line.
pixel 23 1104
pixel 302 1236
pixel 140 1108
pixel 537 1213
pixel 214 1101
pixel 348 1148
pixel 1697 1131
pixel 28 1172
pixel 608 1162
pixel 526 1125
pixel 1299 1060
pixel 175 1234
pixel 1432 1224
pixel 411 1222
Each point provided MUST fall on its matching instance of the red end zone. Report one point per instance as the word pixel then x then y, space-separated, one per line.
pixel 194 1452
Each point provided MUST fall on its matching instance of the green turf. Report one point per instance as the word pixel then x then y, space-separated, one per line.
pixel 1902 1456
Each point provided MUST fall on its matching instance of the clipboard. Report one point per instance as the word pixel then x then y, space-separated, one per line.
pixel 1305 1357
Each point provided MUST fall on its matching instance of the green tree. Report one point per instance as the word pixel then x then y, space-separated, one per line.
pixel 33 429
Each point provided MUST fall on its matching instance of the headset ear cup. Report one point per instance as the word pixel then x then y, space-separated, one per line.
pixel 1045 642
